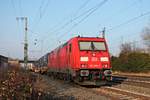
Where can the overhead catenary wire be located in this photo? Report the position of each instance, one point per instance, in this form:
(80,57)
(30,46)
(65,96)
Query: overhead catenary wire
(15,10)
(75,14)
(109,18)
(140,6)
(41,12)
(122,24)
(16,13)
(81,7)
(20,7)
(39,9)
(85,17)
(85,13)
(81,15)
(13,5)
(75,18)
(129,21)
(120,11)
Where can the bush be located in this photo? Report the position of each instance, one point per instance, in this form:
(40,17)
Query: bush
(131,62)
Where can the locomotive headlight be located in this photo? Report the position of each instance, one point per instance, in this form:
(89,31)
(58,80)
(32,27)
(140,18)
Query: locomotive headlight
(104,59)
(84,59)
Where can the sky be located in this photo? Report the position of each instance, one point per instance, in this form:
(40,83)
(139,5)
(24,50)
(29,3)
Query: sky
(53,22)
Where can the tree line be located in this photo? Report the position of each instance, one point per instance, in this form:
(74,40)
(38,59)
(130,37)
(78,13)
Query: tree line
(132,58)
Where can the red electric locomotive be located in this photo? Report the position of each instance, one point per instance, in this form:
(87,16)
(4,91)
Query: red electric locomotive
(85,60)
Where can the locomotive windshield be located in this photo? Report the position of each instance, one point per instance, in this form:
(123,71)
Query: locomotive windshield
(90,45)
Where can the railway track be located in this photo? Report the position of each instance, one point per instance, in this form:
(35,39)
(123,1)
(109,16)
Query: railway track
(118,94)
(133,77)
(121,94)
(140,81)
(115,92)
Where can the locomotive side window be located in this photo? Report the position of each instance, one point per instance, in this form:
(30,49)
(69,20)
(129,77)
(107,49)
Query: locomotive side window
(70,47)
(87,45)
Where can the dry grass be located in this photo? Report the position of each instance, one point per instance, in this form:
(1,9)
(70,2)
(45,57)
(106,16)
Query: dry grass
(15,83)
(19,84)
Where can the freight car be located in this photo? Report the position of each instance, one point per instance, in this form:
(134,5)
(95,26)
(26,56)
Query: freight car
(3,61)
(41,65)
(85,60)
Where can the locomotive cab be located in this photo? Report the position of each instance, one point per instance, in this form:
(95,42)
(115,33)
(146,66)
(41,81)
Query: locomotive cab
(93,60)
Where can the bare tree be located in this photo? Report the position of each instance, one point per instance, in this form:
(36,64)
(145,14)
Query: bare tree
(126,48)
(146,37)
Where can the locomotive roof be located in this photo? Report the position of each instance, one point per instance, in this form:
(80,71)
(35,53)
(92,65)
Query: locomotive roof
(88,37)
(78,37)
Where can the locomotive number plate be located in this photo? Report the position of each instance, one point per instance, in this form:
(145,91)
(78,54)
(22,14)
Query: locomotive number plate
(94,59)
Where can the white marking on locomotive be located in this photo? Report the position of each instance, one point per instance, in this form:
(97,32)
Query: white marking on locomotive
(104,59)
(84,59)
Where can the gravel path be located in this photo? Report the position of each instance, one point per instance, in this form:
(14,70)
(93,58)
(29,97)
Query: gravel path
(71,91)
(65,89)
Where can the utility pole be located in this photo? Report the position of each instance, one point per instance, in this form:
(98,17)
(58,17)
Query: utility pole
(103,32)
(25,40)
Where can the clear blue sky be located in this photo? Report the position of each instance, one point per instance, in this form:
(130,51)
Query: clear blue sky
(46,19)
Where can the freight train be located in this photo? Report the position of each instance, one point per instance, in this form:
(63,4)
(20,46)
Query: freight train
(84,60)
